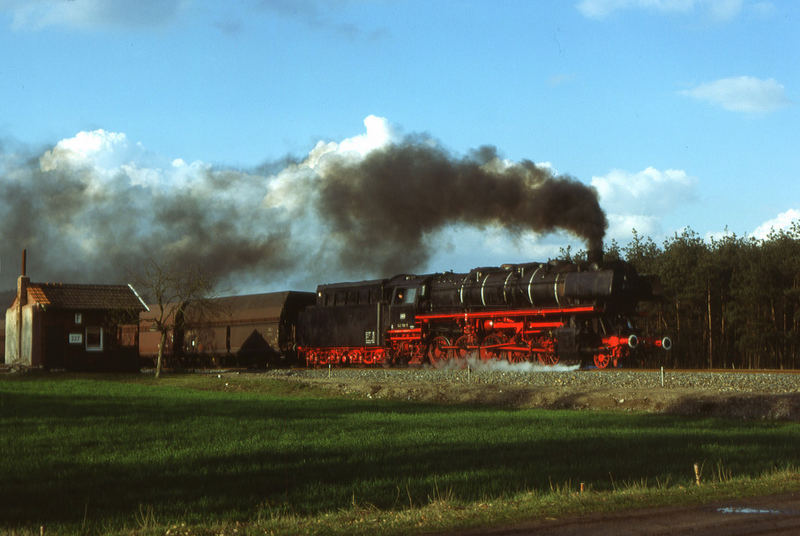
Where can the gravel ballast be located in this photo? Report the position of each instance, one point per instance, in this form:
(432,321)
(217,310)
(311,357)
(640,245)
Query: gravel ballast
(746,394)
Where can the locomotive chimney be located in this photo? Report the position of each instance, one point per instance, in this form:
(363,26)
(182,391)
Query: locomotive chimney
(595,255)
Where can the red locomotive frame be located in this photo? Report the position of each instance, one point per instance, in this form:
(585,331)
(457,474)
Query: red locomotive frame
(523,335)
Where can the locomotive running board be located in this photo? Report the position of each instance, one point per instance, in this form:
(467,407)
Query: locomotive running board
(502,314)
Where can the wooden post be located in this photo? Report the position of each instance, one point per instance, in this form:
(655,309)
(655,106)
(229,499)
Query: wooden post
(697,474)
(710,331)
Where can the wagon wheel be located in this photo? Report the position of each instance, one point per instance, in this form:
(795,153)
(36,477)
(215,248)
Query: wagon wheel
(369,358)
(399,354)
(390,356)
(438,352)
(489,348)
(461,350)
(601,360)
(355,357)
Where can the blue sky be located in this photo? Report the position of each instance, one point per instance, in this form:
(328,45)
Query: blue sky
(679,112)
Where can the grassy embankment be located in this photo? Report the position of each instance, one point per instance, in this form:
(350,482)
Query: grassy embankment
(200,454)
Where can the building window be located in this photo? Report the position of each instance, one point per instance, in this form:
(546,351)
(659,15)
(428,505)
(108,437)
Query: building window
(78,318)
(94,338)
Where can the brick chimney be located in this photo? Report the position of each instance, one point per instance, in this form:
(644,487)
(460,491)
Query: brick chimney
(23,281)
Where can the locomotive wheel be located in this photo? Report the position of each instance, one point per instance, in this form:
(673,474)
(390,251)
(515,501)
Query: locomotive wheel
(489,347)
(602,360)
(549,358)
(547,355)
(517,357)
(461,350)
(438,352)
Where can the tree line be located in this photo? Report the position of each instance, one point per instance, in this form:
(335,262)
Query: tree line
(731,302)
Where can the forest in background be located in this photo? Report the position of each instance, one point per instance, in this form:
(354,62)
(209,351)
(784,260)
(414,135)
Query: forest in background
(731,302)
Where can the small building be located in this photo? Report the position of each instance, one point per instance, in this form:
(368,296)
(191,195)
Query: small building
(73,326)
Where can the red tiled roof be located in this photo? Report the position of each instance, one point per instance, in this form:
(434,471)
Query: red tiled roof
(87,297)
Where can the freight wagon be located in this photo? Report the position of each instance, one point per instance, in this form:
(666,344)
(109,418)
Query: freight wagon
(256,330)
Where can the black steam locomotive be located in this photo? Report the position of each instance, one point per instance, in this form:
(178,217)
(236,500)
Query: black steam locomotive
(535,312)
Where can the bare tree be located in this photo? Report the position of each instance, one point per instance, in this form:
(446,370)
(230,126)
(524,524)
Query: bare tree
(170,288)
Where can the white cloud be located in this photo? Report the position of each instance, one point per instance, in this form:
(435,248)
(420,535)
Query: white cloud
(717,9)
(86,148)
(724,9)
(783,220)
(283,188)
(106,154)
(640,200)
(379,133)
(460,247)
(37,14)
(620,226)
(742,94)
(109,156)
(648,191)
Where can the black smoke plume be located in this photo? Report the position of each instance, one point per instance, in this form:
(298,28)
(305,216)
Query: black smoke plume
(383,207)
(80,227)
(360,217)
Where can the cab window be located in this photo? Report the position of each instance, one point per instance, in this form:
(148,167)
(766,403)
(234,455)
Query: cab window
(405,295)
(411,295)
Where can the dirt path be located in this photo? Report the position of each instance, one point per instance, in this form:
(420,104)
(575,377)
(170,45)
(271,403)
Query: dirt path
(772,515)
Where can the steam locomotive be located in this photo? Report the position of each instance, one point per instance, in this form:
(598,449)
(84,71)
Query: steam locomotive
(533,312)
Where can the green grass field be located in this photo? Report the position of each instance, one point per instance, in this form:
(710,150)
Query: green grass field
(98,454)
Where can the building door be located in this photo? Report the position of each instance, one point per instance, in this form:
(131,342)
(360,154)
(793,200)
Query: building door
(54,347)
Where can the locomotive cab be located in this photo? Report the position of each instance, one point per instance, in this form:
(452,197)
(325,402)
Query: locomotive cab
(407,295)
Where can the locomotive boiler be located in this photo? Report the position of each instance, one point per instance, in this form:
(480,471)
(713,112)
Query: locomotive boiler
(533,312)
